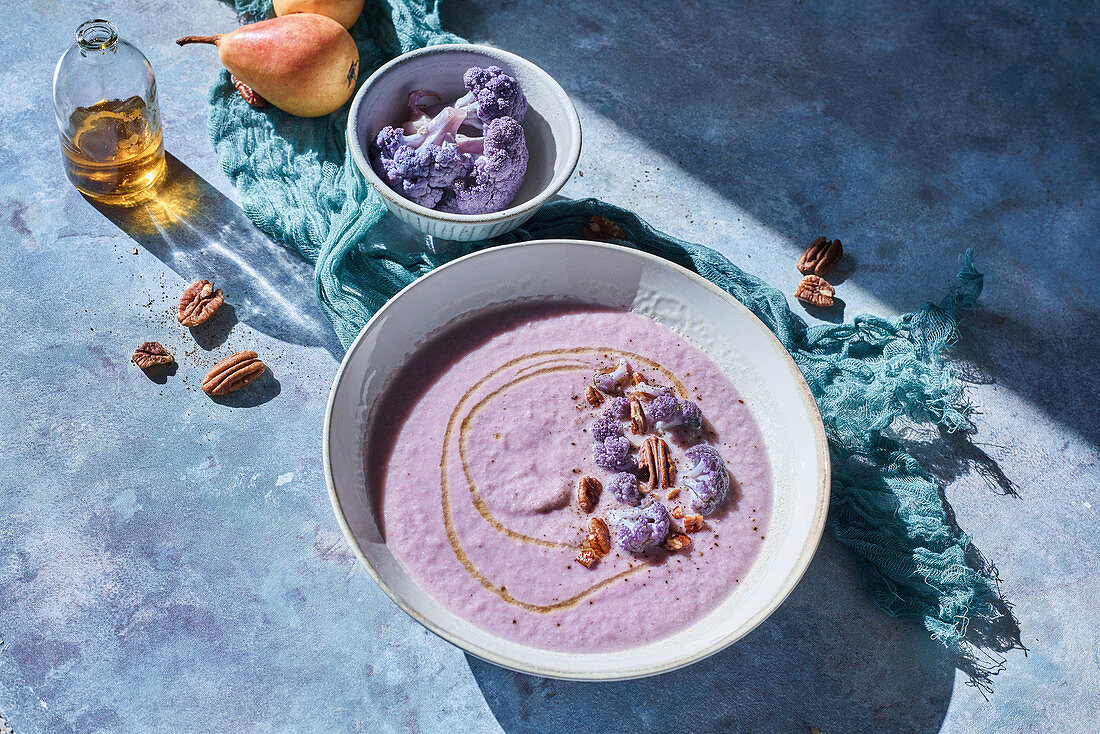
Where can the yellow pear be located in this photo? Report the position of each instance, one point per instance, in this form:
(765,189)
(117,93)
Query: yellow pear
(305,64)
(344,12)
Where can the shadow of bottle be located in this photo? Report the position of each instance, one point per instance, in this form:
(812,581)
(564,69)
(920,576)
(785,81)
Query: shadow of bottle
(826,659)
(200,233)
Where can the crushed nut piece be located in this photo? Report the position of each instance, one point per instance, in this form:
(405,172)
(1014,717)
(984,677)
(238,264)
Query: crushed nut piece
(637,417)
(248,94)
(593,396)
(673,494)
(198,303)
(602,228)
(677,512)
(150,354)
(232,373)
(677,541)
(820,257)
(693,523)
(816,291)
(587,558)
(588,493)
(655,461)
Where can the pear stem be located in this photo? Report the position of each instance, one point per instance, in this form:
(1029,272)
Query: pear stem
(199,39)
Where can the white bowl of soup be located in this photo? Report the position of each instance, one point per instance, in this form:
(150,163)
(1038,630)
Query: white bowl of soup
(497,412)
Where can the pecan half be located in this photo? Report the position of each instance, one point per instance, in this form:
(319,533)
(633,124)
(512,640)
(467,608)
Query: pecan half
(655,460)
(820,257)
(593,396)
(638,424)
(602,228)
(599,536)
(232,373)
(588,493)
(597,543)
(816,291)
(677,512)
(677,541)
(198,303)
(248,94)
(693,523)
(150,354)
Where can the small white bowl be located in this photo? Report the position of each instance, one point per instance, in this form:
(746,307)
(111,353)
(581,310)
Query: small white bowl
(607,275)
(551,126)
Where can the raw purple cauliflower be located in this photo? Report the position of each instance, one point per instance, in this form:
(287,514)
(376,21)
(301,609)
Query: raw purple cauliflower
(668,412)
(618,407)
(624,486)
(611,382)
(605,427)
(707,480)
(425,165)
(498,165)
(642,528)
(491,94)
(427,159)
(613,454)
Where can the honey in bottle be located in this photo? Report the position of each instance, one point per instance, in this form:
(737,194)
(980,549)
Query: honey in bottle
(105,102)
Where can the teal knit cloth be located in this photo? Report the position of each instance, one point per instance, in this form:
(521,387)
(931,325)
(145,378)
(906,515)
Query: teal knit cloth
(299,185)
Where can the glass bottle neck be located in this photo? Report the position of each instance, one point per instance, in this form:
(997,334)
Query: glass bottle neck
(96,36)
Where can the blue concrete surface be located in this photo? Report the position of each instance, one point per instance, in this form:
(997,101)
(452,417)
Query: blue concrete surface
(168,562)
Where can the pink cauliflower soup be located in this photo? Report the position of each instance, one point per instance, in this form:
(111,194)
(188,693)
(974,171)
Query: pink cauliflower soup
(476,450)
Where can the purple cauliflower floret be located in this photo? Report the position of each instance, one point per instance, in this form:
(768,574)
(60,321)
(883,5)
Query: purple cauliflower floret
(618,408)
(499,163)
(423,166)
(668,411)
(611,382)
(613,454)
(624,486)
(707,480)
(606,427)
(491,94)
(642,528)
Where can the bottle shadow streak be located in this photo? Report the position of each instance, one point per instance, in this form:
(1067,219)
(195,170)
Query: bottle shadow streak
(200,233)
(825,659)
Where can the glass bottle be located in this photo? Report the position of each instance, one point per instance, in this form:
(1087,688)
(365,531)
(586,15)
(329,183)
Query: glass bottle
(105,102)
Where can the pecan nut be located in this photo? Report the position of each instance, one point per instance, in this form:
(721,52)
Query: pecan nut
(638,424)
(150,354)
(248,94)
(677,541)
(198,303)
(588,493)
(693,523)
(820,257)
(232,373)
(677,512)
(602,228)
(593,396)
(816,291)
(654,459)
(599,536)
(597,543)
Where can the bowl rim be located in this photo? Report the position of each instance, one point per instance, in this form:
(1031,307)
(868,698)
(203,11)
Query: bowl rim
(793,576)
(365,167)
